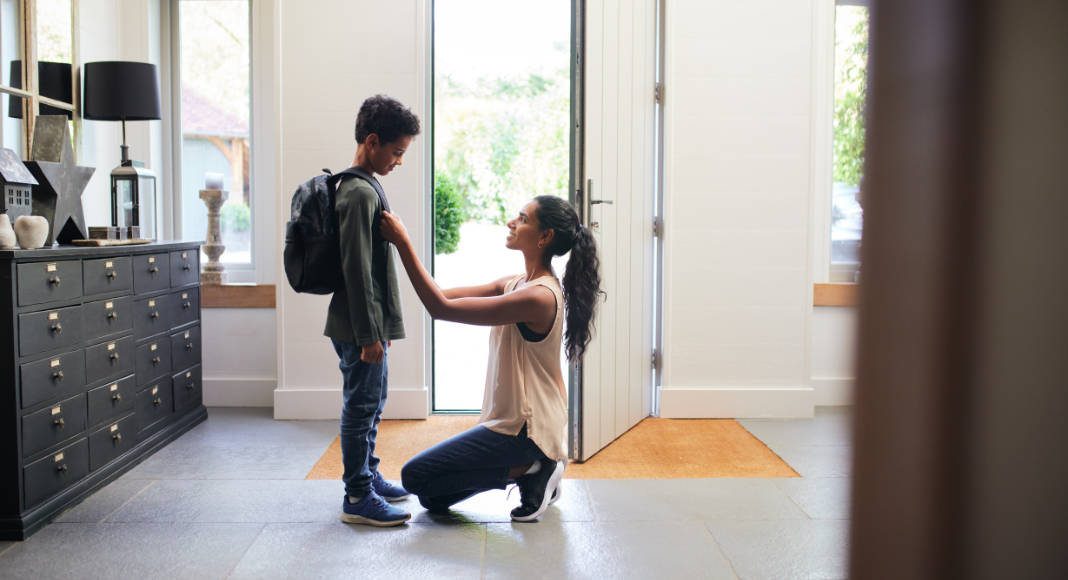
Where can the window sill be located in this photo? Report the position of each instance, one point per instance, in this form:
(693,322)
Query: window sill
(237,296)
(834,295)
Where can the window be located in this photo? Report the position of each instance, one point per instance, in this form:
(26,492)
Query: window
(45,86)
(215,55)
(850,92)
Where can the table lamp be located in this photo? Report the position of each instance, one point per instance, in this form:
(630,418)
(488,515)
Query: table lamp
(125,91)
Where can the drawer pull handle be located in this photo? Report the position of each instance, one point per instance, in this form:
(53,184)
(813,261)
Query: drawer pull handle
(112,275)
(189,346)
(58,375)
(59,423)
(185,267)
(157,402)
(54,281)
(155,361)
(155,315)
(186,305)
(62,468)
(117,398)
(114,356)
(154,270)
(57,327)
(192,386)
(117,437)
(113,316)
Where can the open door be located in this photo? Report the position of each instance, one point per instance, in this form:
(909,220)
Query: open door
(616,196)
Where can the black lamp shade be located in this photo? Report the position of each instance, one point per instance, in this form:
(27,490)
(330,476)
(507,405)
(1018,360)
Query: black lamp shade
(118,90)
(54,79)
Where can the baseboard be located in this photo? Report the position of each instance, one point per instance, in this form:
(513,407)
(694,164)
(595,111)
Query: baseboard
(834,392)
(239,392)
(291,404)
(737,403)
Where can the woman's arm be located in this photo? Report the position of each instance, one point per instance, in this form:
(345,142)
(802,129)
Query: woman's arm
(536,304)
(495,288)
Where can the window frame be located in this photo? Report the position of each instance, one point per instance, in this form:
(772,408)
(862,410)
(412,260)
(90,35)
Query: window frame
(31,97)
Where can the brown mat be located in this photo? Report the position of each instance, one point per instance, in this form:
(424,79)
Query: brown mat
(653,449)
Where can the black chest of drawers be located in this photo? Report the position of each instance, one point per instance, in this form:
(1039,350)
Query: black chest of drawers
(100,359)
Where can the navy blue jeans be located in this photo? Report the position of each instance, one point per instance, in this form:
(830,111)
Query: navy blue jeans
(474,461)
(364,394)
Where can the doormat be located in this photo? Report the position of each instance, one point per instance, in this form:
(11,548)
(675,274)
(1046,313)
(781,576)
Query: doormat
(652,449)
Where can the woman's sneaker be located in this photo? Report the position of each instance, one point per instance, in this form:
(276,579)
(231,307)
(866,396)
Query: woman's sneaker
(536,490)
(373,511)
(387,490)
(559,489)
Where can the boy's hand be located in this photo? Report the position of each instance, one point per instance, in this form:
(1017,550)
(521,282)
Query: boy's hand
(392,229)
(372,353)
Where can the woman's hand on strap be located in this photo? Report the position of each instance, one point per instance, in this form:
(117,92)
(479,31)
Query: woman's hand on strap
(392,229)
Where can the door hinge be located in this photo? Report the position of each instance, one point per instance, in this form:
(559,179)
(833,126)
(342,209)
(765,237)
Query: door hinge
(656,231)
(658,92)
(656,359)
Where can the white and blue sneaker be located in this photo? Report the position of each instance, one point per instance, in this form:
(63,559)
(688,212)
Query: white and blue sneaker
(372,510)
(387,490)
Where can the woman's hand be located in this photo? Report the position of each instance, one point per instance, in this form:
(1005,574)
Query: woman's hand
(392,229)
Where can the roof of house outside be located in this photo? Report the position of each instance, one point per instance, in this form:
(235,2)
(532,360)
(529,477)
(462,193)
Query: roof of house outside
(202,117)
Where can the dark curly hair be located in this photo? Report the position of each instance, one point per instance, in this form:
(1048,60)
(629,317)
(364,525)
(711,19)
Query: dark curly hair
(386,117)
(582,279)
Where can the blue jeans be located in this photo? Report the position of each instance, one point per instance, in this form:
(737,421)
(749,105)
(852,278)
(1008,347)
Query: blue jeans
(472,462)
(364,394)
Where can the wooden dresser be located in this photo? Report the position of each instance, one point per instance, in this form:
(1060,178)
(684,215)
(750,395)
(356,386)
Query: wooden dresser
(99,367)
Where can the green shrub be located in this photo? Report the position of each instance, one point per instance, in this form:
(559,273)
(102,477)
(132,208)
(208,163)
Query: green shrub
(449,214)
(235,217)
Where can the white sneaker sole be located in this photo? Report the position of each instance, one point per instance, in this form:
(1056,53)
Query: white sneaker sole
(550,488)
(559,489)
(396,499)
(351,519)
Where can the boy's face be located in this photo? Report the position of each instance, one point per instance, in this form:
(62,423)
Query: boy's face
(385,156)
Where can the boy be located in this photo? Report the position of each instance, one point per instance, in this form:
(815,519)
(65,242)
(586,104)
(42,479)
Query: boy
(364,315)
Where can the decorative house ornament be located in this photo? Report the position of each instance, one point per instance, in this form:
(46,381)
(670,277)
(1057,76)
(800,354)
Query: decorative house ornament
(15,184)
(58,195)
(31,231)
(214,272)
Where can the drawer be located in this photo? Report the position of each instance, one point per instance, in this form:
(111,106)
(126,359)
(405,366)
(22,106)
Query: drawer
(109,442)
(188,388)
(151,316)
(185,348)
(185,267)
(151,272)
(107,275)
(51,329)
(42,282)
(107,317)
(153,360)
(53,425)
(185,307)
(111,400)
(50,475)
(110,359)
(52,377)
(154,403)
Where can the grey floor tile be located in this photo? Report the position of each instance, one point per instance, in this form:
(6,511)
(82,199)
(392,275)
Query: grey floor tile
(105,502)
(129,551)
(690,499)
(420,551)
(494,506)
(597,550)
(820,498)
(251,425)
(839,412)
(5,546)
(267,459)
(817,461)
(800,432)
(786,550)
(235,502)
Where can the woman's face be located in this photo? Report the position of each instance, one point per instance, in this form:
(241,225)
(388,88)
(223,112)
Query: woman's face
(523,231)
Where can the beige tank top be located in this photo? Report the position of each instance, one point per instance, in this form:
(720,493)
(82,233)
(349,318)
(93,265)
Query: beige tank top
(524,383)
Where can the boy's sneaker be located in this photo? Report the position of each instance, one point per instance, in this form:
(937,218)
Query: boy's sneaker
(373,511)
(387,490)
(536,490)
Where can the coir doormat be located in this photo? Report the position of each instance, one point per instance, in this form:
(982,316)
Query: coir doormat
(652,449)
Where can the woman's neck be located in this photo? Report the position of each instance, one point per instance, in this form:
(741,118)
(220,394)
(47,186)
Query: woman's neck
(536,268)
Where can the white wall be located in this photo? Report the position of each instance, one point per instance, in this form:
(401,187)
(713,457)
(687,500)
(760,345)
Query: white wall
(834,345)
(239,356)
(325,73)
(738,275)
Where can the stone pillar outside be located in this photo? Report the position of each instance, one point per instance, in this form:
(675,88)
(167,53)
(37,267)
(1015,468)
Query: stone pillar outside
(214,272)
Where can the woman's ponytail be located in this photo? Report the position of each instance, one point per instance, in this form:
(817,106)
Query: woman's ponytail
(582,279)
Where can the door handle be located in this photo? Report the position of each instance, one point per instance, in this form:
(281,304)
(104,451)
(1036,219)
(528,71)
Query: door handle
(597,201)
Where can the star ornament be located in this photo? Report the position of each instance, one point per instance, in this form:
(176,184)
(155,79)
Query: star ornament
(58,195)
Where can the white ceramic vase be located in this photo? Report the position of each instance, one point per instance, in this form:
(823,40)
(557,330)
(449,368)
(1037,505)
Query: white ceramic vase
(31,231)
(7,234)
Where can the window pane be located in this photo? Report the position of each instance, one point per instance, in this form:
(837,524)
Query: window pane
(55,53)
(850,91)
(10,53)
(215,119)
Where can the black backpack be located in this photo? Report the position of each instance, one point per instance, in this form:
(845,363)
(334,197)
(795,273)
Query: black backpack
(312,255)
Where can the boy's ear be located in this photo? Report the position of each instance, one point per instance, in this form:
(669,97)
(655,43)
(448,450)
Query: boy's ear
(371,141)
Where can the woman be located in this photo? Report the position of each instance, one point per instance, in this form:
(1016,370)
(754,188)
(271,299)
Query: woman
(523,426)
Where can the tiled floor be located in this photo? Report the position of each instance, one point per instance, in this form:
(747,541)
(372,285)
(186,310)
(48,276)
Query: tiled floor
(229,500)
